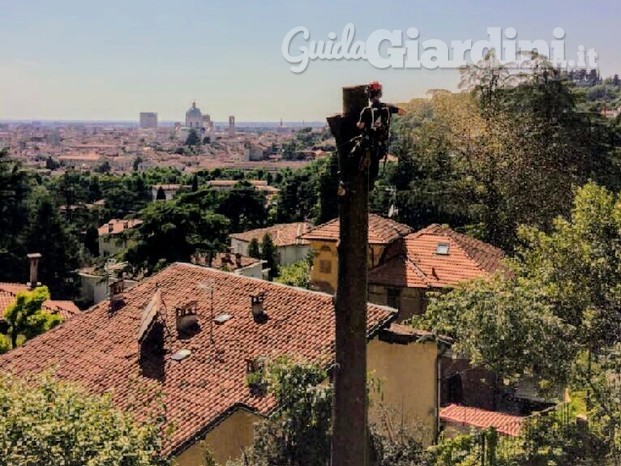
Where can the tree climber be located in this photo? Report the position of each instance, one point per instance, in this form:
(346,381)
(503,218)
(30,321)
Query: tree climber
(375,122)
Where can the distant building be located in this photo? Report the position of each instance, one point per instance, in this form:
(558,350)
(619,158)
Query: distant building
(232,125)
(87,160)
(95,284)
(324,241)
(431,259)
(260,185)
(611,112)
(169,191)
(235,263)
(289,247)
(112,238)
(194,117)
(148,120)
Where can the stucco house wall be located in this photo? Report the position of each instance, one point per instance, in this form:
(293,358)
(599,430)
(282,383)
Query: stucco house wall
(252,271)
(286,254)
(407,380)
(324,273)
(409,301)
(226,441)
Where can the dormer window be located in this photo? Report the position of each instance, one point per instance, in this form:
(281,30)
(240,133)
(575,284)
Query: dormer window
(442,249)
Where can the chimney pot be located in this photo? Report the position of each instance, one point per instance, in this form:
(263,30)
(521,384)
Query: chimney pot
(256,302)
(116,293)
(186,316)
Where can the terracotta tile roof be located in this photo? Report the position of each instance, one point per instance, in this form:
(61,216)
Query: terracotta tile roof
(226,261)
(99,348)
(65,308)
(82,157)
(8,293)
(117,226)
(506,424)
(283,234)
(413,261)
(382,230)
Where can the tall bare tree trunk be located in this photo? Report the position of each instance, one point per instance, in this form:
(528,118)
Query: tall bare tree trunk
(349,431)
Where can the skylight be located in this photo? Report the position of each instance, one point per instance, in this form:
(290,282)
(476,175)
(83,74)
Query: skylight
(181,355)
(220,319)
(442,249)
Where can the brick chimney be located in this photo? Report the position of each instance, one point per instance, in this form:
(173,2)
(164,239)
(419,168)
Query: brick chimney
(110,227)
(34,269)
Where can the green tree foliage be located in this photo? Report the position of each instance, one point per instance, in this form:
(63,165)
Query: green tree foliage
(557,316)
(254,250)
(173,231)
(52,423)
(244,206)
(296,274)
(578,266)
(508,327)
(15,186)
(328,207)
(161,195)
(136,163)
(103,167)
(553,438)
(48,234)
(308,193)
(564,291)
(26,317)
(298,433)
(604,390)
(508,152)
(51,164)
(305,139)
(193,139)
(269,254)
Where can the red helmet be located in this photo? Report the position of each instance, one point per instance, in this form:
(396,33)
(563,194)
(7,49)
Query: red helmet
(374,88)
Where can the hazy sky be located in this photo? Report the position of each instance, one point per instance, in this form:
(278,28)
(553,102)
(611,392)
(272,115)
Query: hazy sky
(102,60)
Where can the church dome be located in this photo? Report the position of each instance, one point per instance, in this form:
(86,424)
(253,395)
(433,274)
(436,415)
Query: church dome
(193,111)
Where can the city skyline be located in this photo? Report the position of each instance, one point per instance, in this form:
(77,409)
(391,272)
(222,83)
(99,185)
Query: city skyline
(74,61)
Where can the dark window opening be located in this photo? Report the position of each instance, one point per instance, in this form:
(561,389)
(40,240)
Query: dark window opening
(455,389)
(393,297)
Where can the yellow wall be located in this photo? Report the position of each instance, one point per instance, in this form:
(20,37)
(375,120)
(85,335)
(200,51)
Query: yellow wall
(324,251)
(327,251)
(226,441)
(407,378)
(410,302)
(406,375)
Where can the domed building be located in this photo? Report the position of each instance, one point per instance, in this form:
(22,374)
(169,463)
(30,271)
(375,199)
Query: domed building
(194,117)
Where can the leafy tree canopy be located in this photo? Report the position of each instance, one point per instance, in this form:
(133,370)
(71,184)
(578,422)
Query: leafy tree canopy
(53,423)
(25,317)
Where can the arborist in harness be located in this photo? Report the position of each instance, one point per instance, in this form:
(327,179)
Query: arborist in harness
(375,122)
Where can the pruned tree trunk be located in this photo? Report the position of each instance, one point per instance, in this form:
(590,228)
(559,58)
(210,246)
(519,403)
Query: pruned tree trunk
(349,431)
